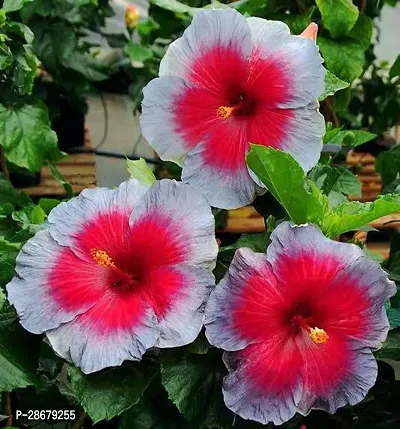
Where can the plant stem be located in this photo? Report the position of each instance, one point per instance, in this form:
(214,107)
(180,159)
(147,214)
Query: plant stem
(8,408)
(3,164)
(329,105)
(363,5)
(81,420)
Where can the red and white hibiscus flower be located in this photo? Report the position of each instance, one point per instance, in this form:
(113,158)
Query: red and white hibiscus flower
(227,82)
(298,324)
(116,272)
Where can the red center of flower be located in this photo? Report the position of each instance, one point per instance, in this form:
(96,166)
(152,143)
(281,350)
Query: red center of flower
(240,105)
(123,279)
(302,320)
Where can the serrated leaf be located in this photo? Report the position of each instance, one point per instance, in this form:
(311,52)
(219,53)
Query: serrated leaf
(332,85)
(351,215)
(140,171)
(347,138)
(193,383)
(27,137)
(107,394)
(343,57)
(338,16)
(285,179)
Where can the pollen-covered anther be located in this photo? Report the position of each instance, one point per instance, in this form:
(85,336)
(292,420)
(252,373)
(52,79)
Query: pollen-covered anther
(319,336)
(224,112)
(101,257)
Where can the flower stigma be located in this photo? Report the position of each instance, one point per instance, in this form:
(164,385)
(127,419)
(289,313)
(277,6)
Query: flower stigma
(224,112)
(319,336)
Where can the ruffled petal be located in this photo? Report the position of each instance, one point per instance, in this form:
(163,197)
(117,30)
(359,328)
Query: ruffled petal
(164,117)
(100,214)
(223,188)
(214,30)
(52,285)
(119,327)
(247,298)
(181,323)
(264,383)
(296,57)
(333,379)
(185,217)
(355,302)
(298,132)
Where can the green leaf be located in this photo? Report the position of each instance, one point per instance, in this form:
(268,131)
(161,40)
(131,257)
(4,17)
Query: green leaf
(26,136)
(137,52)
(394,317)
(48,204)
(175,6)
(107,394)
(343,57)
(140,171)
(13,5)
(336,182)
(362,31)
(25,66)
(391,347)
(256,242)
(8,194)
(395,69)
(338,16)
(8,254)
(18,354)
(387,164)
(61,179)
(332,85)
(286,181)
(351,215)
(347,138)
(193,383)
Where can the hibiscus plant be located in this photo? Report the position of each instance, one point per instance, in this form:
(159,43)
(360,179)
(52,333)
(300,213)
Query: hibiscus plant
(120,308)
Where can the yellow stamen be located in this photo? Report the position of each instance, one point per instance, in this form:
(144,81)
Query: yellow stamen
(224,112)
(102,258)
(319,336)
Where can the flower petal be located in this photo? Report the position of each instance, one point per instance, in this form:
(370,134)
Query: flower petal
(52,286)
(185,216)
(297,57)
(211,30)
(347,383)
(160,117)
(97,210)
(223,188)
(264,383)
(119,327)
(359,293)
(298,132)
(244,300)
(183,320)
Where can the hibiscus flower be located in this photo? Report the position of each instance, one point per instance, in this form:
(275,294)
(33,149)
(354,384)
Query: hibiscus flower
(228,81)
(298,324)
(116,272)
